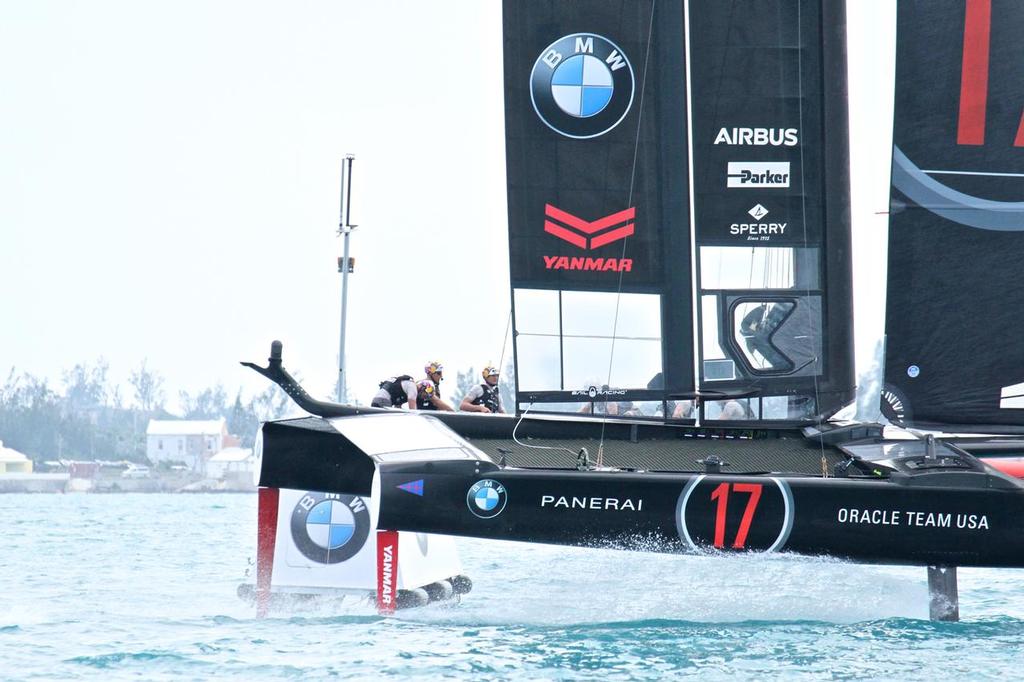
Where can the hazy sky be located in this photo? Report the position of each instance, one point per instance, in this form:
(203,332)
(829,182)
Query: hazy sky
(169,179)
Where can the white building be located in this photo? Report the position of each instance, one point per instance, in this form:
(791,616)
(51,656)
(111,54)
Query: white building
(191,443)
(231,461)
(13,462)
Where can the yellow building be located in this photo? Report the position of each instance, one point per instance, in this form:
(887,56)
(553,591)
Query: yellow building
(13,462)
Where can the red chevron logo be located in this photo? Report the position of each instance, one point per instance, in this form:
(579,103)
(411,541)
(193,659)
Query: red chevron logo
(592,234)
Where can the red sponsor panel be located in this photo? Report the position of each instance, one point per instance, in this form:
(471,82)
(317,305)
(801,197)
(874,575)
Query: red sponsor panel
(387,570)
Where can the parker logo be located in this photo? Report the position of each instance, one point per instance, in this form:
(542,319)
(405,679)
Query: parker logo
(750,174)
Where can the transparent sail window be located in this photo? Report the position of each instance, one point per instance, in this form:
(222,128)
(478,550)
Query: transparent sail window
(737,409)
(573,340)
(758,267)
(717,366)
(755,324)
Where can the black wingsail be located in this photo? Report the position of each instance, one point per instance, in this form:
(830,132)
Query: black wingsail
(771,202)
(596,162)
(600,103)
(955,304)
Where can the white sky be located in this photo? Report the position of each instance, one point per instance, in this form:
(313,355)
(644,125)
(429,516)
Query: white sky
(169,185)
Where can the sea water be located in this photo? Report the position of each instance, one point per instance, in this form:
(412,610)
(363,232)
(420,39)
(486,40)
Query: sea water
(143,586)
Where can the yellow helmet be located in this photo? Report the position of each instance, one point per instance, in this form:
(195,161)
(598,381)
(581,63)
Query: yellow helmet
(490,371)
(433,366)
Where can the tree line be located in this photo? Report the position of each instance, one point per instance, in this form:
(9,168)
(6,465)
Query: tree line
(87,417)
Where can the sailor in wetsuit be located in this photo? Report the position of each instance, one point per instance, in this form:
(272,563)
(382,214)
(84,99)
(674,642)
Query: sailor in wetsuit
(395,392)
(484,397)
(428,391)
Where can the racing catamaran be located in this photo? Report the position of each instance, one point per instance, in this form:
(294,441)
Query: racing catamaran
(679,215)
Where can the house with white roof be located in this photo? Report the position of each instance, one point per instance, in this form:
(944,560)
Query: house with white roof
(189,442)
(231,462)
(13,462)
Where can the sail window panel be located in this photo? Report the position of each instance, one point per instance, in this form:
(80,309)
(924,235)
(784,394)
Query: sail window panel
(755,325)
(538,363)
(737,409)
(589,313)
(715,365)
(633,362)
(732,267)
(788,407)
(536,311)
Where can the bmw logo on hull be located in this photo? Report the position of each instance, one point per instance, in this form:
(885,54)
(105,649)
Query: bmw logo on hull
(329,529)
(486,498)
(582,85)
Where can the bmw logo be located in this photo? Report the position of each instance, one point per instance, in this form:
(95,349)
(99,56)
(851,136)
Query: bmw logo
(329,529)
(582,85)
(486,498)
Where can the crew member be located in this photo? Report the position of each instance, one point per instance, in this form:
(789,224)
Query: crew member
(757,328)
(484,397)
(395,392)
(428,390)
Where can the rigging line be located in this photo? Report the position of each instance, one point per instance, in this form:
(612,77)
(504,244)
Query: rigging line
(632,182)
(536,447)
(816,368)
(504,342)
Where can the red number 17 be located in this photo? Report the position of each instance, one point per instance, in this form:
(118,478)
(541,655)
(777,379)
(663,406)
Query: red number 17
(721,495)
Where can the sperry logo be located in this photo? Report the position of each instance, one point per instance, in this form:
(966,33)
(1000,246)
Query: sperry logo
(746,174)
(757,212)
(585,234)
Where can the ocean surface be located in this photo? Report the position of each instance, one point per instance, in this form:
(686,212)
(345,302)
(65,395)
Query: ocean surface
(143,587)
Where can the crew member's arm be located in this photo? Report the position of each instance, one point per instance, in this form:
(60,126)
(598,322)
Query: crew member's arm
(440,404)
(467,403)
(409,386)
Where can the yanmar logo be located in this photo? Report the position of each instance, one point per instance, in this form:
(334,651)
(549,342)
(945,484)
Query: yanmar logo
(588,235)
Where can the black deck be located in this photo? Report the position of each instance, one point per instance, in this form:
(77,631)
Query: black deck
(744,455)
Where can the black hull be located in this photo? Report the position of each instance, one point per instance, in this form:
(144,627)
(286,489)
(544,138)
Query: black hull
(840,491)
(860,520)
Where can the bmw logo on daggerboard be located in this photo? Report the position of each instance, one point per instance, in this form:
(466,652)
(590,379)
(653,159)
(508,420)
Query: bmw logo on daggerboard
(582,85)
(329,528)
(486,498)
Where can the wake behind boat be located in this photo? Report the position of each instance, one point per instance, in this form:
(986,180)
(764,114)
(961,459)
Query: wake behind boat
(678,191)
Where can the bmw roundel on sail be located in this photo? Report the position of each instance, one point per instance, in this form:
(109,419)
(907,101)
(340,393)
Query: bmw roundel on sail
(582,85)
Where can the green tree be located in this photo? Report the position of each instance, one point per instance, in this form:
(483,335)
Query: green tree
(148,385)
(210,403)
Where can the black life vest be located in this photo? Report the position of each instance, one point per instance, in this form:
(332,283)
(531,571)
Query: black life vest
(393,385)
(489,398)
(423,399)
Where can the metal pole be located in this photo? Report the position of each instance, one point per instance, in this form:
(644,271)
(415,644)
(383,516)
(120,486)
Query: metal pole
(345,227)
